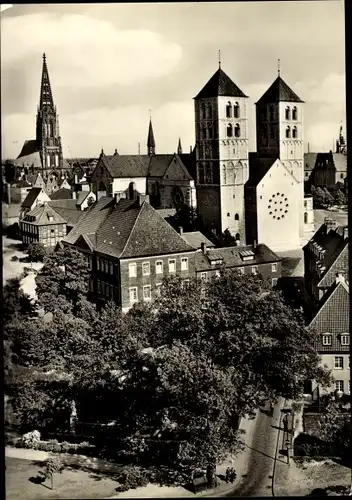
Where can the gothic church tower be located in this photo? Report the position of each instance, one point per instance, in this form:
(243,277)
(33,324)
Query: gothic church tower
(48,137)
(222,154)
(280,133)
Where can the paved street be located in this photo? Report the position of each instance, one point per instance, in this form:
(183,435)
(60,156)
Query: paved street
(262,447)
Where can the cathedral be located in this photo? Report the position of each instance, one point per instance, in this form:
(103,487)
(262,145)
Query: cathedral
(258,197)
(44,153)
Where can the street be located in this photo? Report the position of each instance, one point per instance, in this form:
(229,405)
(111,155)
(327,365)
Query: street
(263,446)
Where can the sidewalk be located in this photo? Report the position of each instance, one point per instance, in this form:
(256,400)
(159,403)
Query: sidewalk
(240,463)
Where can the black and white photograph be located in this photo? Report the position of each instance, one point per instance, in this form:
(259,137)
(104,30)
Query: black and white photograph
(176,310)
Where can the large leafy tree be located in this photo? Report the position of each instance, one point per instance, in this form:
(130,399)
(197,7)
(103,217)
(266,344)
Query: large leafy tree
(63,280)
(15,303)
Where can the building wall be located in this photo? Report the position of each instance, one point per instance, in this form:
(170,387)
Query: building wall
(48,235)
(308,214)
(277,190)
(338,373)
(152,279)
(121,185)
(209,206)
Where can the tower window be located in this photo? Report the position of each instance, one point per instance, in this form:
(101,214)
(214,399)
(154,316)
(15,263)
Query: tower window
(287,113)
(237,217)
(294,113)
(209,111)
(229,131)
(288,132)
(202,111)
(228,110)
(236,110)
(294,132)
(237,130)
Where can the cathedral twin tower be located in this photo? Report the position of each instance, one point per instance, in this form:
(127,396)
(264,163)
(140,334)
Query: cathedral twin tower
(226,171)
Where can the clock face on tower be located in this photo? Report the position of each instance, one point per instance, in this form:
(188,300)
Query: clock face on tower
(278,206)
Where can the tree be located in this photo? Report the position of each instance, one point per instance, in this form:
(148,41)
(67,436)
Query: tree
(36,252)
(185,217)
(335,428)
(319,197)
(63,280)
(225,239)
(328,198)
(340,198)
(52,466)
(15,303)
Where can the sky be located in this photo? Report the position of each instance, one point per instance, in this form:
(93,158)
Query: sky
(109,64)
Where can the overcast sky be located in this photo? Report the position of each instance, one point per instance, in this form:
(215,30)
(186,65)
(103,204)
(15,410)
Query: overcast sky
(110,63)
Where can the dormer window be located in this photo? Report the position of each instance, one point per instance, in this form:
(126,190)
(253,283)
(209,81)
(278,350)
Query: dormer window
(228,110)
(237,130)
(236,110)
(345,339)
(229,130)
(327,339)
(288,132)
(294,113)
(287,113)
(247,255)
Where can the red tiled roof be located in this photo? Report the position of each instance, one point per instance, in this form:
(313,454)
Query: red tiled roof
(279,91)
(220,85)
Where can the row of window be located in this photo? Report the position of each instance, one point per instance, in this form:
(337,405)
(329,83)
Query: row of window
(290,114)
(338,362)
(254,270)
(236,110)
(105,265)
(233,131)
(344,339)
(294,133)
(29,228)
(340,386)
(105,289)
(208,173)
(159,267)
(206,111)
(29,239)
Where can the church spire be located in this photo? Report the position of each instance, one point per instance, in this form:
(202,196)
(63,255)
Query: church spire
(179,147)
(151,141)
(46,96)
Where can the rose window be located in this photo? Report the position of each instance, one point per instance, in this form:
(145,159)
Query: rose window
(278,206)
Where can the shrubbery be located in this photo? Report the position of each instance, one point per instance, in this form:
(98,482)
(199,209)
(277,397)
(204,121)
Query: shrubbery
(132,477)
(32,441)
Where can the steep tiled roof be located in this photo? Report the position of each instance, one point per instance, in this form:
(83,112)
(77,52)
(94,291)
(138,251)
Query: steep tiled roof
(134,230)
(31,197)
(158,165)
(309,161)
(92,219)
(28,148)
(61,194)
(232,258)
(279,91)
(340,161)
(196,238)
(333,317)
(71,215)
(220,85)
(63,203)
(126,165)
(330,240)
(44,214)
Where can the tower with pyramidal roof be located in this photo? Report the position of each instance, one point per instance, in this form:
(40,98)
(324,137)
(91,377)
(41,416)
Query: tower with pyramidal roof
(222,154)
(48,136)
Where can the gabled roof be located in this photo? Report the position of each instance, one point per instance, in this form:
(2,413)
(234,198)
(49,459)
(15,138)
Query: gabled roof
(126,165)
(63,203)
(91,220)
(279,91)
(220,85)
(28,148)
(231,257)
(44,214)
(61,194)
(31,197)
(310,160)
(333,317)
(71,215)
(196,238)
(158,164)
(176,160)
(134,230)
(81,196)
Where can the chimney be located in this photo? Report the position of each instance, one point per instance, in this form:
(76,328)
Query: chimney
(330,224)
(180,230)
(345,233)
(203,247)
(74,195)
(340,278)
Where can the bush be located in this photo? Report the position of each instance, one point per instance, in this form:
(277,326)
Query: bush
(36,252)
(30,439)
(52,445)
(14,258)
(132,477)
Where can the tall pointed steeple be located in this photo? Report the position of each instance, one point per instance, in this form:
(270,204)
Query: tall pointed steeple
(151,140)
(46,96)
(179,147)
(48,136)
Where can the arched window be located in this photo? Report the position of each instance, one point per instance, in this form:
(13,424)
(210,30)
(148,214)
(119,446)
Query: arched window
(209,111)
(237,217)
(201,173)
(294,113)
(132,190)
(238,236)
(287,113)
(294,132)
(237,130)
(305,217)
(229,130)
(236,110)
(228,110)
(202,111)
(288,132)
